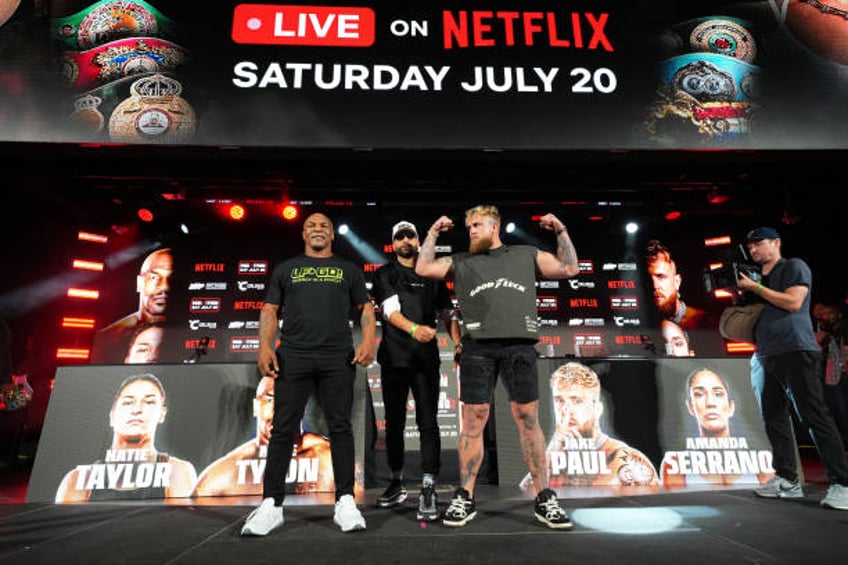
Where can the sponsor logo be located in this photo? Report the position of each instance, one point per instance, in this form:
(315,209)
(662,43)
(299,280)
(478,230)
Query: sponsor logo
(204,305)
(207,286)
(583,302)
(252,267)
(549,339)
(244,286)
(247,305)
(578,284)
(548,323)
(548,284)
(621,284)
(590,322)
(621,321)
(200,325)
(243,325)
(193,344)
(209,267)
(585,266)
(619,266)
(628,340)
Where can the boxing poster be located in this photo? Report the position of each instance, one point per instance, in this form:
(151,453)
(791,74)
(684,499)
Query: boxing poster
(174,432)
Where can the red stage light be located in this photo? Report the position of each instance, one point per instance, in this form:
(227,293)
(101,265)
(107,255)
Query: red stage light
(290,212)
(94,237)
(237,212)
(673,215)
(88,265)
(145,215)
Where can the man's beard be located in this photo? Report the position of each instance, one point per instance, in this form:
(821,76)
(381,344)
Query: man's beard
(667,307)
(405,251)
(481,245)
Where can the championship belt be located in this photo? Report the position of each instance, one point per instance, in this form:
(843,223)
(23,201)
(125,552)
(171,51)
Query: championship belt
(86,116)
(721,35)
(154,113)
(121,58)
(707,95)
(108,20)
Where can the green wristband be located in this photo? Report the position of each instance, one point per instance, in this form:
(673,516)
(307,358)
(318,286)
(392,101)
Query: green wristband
(412,330)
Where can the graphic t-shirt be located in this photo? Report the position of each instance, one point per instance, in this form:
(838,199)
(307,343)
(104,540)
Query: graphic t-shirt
(317,296)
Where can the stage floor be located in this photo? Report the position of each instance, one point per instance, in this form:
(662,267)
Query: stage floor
(707,526)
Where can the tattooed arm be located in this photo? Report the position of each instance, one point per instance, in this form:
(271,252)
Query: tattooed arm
(563,265)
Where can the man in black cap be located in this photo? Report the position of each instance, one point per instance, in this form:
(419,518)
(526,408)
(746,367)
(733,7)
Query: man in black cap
(791,359)
(409,360)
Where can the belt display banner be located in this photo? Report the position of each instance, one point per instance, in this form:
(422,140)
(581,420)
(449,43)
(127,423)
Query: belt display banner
(538,74)
(174,432)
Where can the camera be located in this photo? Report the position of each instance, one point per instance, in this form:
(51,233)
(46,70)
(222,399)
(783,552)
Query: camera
(726,276)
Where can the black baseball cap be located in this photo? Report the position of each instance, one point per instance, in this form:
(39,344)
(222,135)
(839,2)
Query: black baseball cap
(759,234)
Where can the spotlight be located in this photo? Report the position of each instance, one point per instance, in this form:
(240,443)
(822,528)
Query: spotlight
(145,215)
(237,212)
(290,212)
(184,228)
(510,227)
(631,227)
(343,229)
(673,215)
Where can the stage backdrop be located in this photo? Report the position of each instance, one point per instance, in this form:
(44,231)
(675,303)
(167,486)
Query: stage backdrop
(209,419)
(538,74)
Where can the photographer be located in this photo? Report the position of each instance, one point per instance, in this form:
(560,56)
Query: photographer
(791,360)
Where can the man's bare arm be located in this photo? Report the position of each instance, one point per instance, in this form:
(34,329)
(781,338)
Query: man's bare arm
(564,264)
(427,265)
(266,359)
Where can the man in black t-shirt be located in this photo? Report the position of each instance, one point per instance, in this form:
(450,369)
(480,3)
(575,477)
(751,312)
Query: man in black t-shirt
(495,287)
(409,360)
(315,292)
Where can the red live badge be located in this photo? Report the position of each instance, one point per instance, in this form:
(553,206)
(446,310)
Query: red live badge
(331,26)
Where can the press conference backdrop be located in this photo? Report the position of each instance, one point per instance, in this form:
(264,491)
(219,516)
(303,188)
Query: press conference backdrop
(534,74)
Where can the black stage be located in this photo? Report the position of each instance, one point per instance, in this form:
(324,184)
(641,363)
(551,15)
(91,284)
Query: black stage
(707,526)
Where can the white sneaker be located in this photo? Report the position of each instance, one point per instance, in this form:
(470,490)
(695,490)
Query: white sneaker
(837,497)
(263,519)
(347,515)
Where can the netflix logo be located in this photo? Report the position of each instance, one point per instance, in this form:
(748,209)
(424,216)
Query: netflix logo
(194,344)
(318,26)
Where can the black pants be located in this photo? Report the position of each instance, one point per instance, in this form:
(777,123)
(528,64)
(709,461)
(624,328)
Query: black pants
(796,375)
(333,376)
(424,384)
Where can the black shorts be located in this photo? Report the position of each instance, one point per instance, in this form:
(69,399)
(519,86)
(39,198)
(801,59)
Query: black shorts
(483,361)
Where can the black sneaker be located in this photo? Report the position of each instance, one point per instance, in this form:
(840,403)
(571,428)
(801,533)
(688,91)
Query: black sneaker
(394,494)
(428,506)
(460,511)
(549,512)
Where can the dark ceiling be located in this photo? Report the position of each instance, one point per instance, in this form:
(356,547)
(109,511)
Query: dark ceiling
(81,175)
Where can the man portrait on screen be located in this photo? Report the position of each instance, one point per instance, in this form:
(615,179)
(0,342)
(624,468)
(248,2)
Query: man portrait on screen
(241,471)
(132,467)
(153,285)
(580,453)
(715,456)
